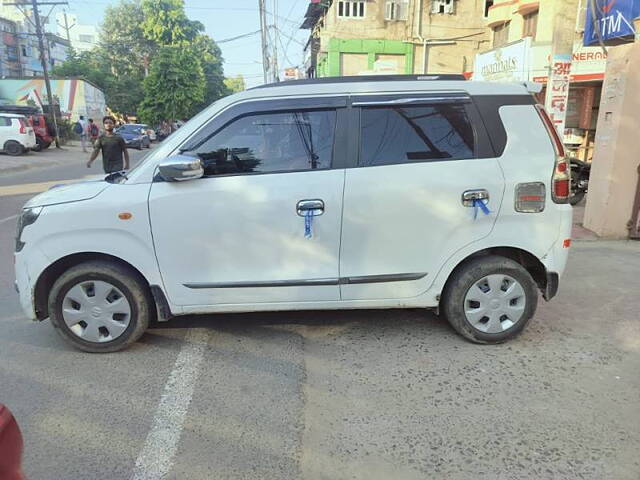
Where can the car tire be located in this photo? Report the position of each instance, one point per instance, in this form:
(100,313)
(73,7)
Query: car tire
(493,285)
(13,148)
(38,146)
(46,145)
(89,322)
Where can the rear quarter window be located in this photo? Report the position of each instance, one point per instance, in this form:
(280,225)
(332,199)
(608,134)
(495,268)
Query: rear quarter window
(409,134)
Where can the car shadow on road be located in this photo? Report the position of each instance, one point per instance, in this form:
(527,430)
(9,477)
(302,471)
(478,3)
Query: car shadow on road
(256,324)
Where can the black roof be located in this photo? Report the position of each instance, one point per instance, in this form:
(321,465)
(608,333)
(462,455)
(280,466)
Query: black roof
(365,78)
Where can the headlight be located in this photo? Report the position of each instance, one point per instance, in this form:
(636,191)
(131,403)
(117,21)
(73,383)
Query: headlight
(29,216)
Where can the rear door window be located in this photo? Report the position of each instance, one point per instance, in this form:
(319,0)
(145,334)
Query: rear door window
(408,134)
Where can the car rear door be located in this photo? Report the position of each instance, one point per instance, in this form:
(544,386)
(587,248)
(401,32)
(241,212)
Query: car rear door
(239,235)
(405,213)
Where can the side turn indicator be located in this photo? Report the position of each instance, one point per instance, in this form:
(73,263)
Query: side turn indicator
(124,216)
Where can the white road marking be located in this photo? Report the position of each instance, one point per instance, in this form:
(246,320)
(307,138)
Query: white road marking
(157,455)
(8,218)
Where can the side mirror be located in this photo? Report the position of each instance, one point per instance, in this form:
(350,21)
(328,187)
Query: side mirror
(179,168)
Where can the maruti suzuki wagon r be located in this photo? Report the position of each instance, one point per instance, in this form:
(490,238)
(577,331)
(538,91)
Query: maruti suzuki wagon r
(337,193)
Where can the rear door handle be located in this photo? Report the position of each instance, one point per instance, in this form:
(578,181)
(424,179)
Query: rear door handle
(470,196)
(316,207)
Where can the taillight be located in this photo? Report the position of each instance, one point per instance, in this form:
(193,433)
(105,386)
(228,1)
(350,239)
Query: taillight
(23,126)
(561,179)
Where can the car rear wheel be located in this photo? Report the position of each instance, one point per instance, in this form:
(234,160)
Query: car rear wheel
(100,307)
(13,148)
(38,146)
(490,299)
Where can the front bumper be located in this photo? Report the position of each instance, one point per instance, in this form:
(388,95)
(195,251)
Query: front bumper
(29,264)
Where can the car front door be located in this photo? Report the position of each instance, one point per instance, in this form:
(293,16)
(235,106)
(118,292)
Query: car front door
(403,205)
(241,235)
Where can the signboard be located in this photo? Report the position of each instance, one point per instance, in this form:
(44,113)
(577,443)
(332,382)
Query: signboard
(612,21)
(510,63)
(587,63)
(558,94)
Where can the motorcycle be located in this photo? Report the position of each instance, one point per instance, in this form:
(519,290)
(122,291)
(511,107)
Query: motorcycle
(580,172)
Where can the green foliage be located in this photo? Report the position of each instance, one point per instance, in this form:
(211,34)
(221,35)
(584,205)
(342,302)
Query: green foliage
(175,86)
(123,44)
(234,84)
(123,94)
(166,23)
(134,37)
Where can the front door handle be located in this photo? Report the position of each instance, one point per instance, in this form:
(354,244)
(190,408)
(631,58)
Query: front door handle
(316,207)
(471,196)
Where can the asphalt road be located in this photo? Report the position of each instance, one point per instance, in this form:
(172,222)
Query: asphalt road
(336,395)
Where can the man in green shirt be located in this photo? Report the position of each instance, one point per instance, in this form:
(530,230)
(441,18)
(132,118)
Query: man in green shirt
(112,147)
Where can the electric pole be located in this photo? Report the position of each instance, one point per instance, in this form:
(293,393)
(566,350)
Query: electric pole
(43,56)
(263,35)
(45,69)
(275,73)
(66,27)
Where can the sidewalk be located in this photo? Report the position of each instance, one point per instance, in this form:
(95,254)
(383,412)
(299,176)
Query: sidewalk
(578,232)
(69,154)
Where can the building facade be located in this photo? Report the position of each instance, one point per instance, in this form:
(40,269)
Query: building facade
(350,37)
(521,34)
(19,49)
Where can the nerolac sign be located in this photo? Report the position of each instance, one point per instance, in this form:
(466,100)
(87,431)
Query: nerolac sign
(611,21)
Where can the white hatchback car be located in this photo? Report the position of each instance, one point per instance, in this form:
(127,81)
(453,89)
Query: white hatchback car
(361,192)
(16,135)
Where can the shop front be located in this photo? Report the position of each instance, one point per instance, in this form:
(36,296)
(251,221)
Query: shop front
(588,65)
(526,61)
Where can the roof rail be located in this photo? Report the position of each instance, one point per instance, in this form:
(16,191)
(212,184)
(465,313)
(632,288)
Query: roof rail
(364,78)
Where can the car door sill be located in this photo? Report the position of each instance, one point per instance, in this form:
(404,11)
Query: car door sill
(394,277)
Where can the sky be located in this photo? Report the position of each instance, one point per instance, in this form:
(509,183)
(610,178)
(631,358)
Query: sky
(225,19)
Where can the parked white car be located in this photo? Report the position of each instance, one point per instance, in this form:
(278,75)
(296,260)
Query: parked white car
(360,192)
(16,135)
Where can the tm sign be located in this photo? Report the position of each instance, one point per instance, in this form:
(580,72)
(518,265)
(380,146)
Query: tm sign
(611,21)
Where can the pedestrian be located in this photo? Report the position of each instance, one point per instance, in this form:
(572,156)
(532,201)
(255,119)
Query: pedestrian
(80,129)
(94,132)
(112,147)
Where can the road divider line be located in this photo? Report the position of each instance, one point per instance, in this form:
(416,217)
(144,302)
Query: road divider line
(8,218)
(157,455)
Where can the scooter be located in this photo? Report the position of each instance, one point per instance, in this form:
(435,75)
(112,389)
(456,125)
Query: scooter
(580,172)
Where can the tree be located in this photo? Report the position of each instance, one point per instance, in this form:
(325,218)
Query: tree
(166,23)
(234,84)
(122,41)
(121,94)
(211,60)
(174,87)
(135,33)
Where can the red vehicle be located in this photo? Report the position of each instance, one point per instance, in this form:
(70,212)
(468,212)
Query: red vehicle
(10,446)
(37,120)
(40,128)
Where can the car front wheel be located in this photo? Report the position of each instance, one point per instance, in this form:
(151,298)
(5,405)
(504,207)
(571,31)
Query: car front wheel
(99,306)
(490,299)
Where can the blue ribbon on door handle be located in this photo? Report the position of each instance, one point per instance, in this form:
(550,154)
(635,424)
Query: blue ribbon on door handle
(479,204)
(308,220)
